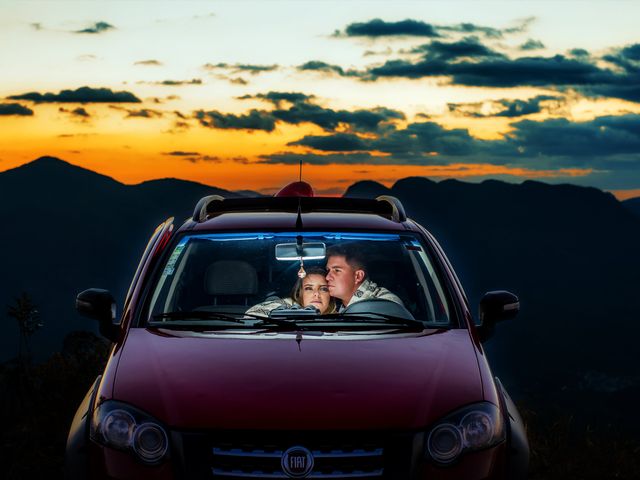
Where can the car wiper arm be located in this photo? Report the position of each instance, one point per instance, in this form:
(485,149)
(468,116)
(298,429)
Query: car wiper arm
(197,314)
(270,321)
(383,316)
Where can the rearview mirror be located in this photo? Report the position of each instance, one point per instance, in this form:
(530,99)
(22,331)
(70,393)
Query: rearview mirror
(304,251)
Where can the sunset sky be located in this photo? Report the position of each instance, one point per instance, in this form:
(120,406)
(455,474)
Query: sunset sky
(234,94)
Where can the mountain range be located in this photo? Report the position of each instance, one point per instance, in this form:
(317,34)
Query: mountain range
(569,252)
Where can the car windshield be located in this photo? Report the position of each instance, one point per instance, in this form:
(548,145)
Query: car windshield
(289,279)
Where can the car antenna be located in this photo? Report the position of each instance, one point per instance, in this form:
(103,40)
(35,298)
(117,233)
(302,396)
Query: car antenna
(299,244)
(299,219)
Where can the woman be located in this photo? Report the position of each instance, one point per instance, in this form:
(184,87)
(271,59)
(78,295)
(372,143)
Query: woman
(312,290)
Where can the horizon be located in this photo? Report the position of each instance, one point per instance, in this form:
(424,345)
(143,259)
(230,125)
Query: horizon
(221,187)
(507,91)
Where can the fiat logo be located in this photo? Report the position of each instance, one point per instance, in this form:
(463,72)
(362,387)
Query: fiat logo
(297,462)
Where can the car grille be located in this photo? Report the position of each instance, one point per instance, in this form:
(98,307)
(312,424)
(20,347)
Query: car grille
(257,455)
(330,461)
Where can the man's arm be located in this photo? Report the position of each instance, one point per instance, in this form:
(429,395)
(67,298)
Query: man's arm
(265,307)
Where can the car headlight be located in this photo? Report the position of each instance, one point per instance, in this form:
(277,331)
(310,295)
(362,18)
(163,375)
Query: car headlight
(123,427)
(471,428)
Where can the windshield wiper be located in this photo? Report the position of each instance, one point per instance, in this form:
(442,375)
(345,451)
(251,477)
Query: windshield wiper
(270,321)
(198,315)
(209,315)
(392,319)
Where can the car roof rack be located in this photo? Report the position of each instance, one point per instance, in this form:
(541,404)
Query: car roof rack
(384,205)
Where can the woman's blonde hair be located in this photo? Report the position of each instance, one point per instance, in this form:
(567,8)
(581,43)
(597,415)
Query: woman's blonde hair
(296,291)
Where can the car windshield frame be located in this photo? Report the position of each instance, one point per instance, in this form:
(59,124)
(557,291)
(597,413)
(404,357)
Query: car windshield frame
(142,317)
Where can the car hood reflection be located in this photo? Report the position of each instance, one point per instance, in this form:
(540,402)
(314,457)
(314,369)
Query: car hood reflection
(196,381)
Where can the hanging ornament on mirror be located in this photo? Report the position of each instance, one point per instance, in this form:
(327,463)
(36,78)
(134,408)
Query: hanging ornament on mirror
(301,272)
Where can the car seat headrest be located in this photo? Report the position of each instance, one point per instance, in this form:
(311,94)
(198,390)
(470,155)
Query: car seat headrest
(231,277)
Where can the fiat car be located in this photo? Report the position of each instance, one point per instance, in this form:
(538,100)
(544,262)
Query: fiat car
(220,370)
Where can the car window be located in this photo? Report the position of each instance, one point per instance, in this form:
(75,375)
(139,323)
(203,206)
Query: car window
(235,273)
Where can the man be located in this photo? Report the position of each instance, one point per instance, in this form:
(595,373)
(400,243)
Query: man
(347,277)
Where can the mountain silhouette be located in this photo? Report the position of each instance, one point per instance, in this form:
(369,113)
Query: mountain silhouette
(66,228)
(569,252)
(633,204)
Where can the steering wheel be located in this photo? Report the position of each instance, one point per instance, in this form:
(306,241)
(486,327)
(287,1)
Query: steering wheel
(378,305)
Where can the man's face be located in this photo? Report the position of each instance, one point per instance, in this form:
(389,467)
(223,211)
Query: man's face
(343,279)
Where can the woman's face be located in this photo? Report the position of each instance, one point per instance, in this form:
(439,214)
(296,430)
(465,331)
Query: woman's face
(315,291)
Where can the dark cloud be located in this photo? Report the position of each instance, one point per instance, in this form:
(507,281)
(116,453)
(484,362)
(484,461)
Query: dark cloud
(318,66)
(179,126)
(519,108)
(340,142)
(149,63)
(416,28)
(428,139)
(424,143)
(369,53)
(302,110)
(209,158)
(595,140)
(531,44)
(529,71)
(579,52)
(144,113)
(203,158)
(76,112)
(489,32)
(177,83)
(141,113)
(631,52)
(15,109)
(192,157)
(98,27)
(470,63)
(467,28)
(180,153)
(313,159)
(254,120)
(238,81)
(608,146)
(408,69)
(328,119)
(468,47)
(81,95)
(379,28)
(241,68)
(36,26)
(503,108)
(277,98)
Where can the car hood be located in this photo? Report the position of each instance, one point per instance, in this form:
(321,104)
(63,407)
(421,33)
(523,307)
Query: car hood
(253,381)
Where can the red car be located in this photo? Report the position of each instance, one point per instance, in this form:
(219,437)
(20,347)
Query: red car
(296,337)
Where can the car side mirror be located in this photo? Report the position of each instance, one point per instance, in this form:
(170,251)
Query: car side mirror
(495,307)
(100,305)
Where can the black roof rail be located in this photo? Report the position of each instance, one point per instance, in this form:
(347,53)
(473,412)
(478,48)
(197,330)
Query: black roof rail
(384,205)
(398,214)
(200,212)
